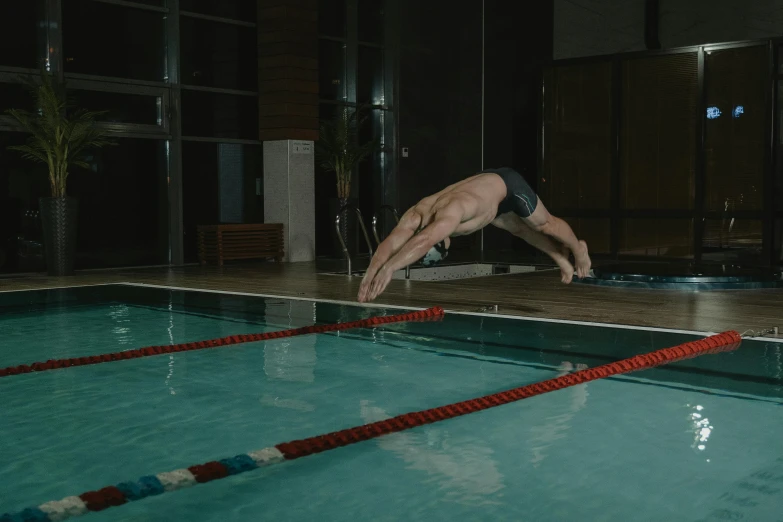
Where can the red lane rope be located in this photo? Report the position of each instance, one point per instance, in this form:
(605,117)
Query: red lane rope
(53,364)
(152,485)
(726,341)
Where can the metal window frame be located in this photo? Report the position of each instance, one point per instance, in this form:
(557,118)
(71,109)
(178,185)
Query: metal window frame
(233,141)
(218,19)
(218,90)
(698,214)
(169,90)
(134,5)
(128,82)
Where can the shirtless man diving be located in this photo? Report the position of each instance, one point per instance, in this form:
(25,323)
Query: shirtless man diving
(501,197)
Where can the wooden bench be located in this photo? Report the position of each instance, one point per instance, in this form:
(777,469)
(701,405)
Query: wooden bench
(220,243)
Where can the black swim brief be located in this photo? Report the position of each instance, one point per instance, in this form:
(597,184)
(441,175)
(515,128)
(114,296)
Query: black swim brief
(520,197)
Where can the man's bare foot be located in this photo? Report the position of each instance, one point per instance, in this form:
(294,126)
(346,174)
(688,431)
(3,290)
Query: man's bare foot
(566,268)
(582,259)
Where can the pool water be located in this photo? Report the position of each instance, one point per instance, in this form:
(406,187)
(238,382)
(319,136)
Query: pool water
(696,440)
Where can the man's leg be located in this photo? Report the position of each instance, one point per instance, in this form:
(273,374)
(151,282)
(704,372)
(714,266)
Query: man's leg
(544,222)
(558,252)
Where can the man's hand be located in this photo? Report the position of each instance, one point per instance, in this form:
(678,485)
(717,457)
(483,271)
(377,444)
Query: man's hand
(364,288)
(379,283)
(373,286)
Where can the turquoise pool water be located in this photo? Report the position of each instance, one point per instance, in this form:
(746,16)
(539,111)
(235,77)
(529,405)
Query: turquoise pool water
(698,440)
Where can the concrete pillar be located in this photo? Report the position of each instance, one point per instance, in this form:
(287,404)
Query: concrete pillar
(289,195)
(288,118)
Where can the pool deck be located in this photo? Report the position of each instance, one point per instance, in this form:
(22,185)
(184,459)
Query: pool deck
(537,295)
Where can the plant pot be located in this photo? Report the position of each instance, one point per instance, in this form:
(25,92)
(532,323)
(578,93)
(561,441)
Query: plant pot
(348,226)
(58,220)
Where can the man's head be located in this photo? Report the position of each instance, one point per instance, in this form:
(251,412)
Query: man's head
(437,253)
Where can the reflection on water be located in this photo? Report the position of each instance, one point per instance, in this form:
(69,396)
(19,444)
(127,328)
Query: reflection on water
(701,426)
(463,468)
(565,404)
(293,359)
(120,314)
(170,330)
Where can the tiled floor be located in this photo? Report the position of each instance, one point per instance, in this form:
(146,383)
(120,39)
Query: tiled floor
(537,294)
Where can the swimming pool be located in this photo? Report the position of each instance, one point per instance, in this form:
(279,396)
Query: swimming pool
(696,440)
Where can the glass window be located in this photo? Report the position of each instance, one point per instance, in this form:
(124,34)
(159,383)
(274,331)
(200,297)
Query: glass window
(15,96)
(372,171)
(19,23)
(657,237)
(736,83)
(331,18)
(208,114)
(331,70)
(659,132)
(217,54)
(244,10)
(371,21)
(123,205)
(156,3)
(732,240)
(131,46)
(220,184)
(370,87)
(373,127)
(22,182)
(596,232)
(778,175)
(577,163)
(121,107)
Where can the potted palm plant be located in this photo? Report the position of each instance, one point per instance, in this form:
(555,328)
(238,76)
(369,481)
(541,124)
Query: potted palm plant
(60,134)
(339,150)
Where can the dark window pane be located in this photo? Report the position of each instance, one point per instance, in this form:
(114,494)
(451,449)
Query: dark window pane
(331,70)
(657,237)
(326,242)
(370,86)
(131,46)
(577,161)
(732,240)
(244,10)
(15,96)
(22,182)
(121,107)
(373,172)
(596,232)
(659,132)
(327,111)
(778,176)
(780,59)
(371,21)
(123,205)
(736,88)
(373,125)
(220,184)
(19,33)
(215,54)
(331,18)
(156,3)
(209,114)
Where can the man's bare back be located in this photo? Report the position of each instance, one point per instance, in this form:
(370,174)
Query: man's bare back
(501,197)
(475,199)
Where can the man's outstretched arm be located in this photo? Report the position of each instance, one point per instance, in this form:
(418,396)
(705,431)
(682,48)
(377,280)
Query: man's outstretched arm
(444,224)
(401,233)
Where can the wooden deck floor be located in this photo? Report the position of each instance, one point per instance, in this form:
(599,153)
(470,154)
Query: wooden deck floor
(537,294)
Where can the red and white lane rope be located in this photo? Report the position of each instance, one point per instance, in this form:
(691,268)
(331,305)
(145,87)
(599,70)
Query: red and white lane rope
(151,485)
(53,364)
